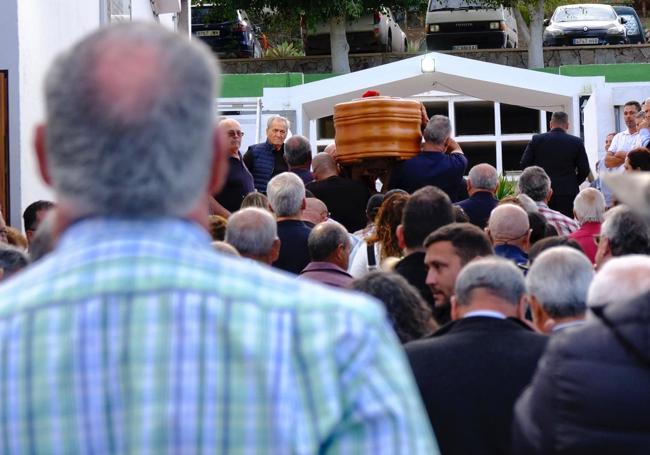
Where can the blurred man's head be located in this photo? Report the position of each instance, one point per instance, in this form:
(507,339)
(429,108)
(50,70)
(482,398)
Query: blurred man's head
(130,125)
(277,128)
(559,119)
(482,177)
(12,260)
(535,183)
(231,135)
(589,206)
(297,152)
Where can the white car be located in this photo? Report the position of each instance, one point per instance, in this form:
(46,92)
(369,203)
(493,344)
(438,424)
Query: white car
(378,32)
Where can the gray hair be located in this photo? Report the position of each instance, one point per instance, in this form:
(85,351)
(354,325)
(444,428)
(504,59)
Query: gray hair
(620,280)
(559,278)
(325,238)
(499,276)
(589,205)
(626,232)
(130,115)
(535,183)
(286,191)
(252,231)
(437,130)
(483,176)
(297,150)
(12,259)
(279,118)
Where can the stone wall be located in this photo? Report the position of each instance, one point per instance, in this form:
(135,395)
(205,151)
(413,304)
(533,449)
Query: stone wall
(553,57)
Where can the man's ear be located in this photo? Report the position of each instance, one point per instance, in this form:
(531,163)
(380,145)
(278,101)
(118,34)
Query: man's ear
(399,233)
(549,195)
(455,313)
(219,164)
(539,317)
(275,251)
(41,153)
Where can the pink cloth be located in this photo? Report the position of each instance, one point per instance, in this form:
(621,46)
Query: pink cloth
(585,237)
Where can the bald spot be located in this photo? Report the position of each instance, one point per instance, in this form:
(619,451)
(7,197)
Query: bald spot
(324,165)
(508,222)
(330,149)
(128,78)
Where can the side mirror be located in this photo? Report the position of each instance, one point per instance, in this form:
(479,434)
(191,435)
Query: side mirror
(622,20)
(546,22)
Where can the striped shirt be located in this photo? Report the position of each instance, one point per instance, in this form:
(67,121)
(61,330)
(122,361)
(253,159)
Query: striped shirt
(136,337)
(562,223)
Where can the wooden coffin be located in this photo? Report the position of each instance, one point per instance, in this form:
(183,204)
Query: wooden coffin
(377,127)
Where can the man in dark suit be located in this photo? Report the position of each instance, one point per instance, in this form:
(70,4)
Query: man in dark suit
(564,159)
(471,371)
(482,184)
(426,210)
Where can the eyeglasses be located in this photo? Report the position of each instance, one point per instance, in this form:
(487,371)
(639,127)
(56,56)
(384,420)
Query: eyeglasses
(233,133)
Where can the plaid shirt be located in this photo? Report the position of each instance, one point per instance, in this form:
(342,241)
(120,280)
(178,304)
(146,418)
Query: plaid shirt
(135,337)
(562,223)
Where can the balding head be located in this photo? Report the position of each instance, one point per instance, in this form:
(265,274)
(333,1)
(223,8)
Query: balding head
(315,211)
(620,280)
(130,123)
(230,135)
(254,234)
(329,242)
(330,149)
(508,224)
(324,166)
(482,177)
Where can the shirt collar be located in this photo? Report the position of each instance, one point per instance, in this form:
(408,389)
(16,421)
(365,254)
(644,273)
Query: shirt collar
(565,325)
(485,313)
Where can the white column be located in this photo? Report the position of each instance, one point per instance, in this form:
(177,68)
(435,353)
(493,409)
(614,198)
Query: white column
(497,137)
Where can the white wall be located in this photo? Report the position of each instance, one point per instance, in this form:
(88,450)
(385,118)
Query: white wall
(9,61)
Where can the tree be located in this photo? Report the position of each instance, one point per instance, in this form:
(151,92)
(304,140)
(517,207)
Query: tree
(335,13)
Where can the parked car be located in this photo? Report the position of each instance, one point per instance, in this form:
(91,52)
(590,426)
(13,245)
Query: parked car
(372,32)
(229,36)
(584,24)
(468,24)
(633,26)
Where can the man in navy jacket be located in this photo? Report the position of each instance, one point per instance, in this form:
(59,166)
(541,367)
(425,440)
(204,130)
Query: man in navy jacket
(564,159)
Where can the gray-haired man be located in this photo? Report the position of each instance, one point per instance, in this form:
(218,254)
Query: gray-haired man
(471,371)
(557,284)
(266,159)
(134,336)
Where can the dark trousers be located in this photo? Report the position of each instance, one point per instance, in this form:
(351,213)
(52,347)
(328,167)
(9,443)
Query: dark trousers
(563,204)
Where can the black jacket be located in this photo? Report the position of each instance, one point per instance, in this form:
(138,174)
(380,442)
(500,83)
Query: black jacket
(470,373)
(562,156)
(591,394)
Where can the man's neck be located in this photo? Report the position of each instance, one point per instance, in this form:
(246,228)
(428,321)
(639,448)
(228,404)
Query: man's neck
(234,153)
(563,322)
(473,191)
(435,148)
(289,218)
(408,251)
(324,176)
(632,130)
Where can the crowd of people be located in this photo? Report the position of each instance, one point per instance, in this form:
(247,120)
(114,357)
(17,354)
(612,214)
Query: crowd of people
(184,296)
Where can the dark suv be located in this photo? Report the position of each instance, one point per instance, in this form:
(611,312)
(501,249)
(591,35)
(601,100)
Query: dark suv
(232,36)
(633,25)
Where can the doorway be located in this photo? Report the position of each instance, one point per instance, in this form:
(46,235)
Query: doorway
(4,143)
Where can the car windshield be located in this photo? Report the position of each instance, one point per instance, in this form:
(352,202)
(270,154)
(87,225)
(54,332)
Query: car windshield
(583,13)
(437,5)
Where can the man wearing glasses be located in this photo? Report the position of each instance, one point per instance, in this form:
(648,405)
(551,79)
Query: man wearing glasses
(239,181)
(266,160)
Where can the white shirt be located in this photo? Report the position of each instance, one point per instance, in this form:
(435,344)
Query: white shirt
(623,142)
(485,313)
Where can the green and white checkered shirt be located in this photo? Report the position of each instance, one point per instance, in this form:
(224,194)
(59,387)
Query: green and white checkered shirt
(136,337)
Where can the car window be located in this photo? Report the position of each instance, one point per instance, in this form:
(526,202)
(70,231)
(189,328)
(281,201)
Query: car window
(583,13)
(631,25)
(454,4)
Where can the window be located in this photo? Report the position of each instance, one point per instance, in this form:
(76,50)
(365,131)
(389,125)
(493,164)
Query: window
(117,11)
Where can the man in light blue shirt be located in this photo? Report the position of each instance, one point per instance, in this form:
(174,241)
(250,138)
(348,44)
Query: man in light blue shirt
(134,336)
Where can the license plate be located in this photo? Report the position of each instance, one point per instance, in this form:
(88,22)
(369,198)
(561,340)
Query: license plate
(208,33)
(465,47)
(585,41)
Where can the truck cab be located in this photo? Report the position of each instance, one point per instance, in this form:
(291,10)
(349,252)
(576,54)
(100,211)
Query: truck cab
(468,25)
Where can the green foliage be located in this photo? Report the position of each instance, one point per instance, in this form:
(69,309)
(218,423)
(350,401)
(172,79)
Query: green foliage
(507,187)
(283,50)
(415,45)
